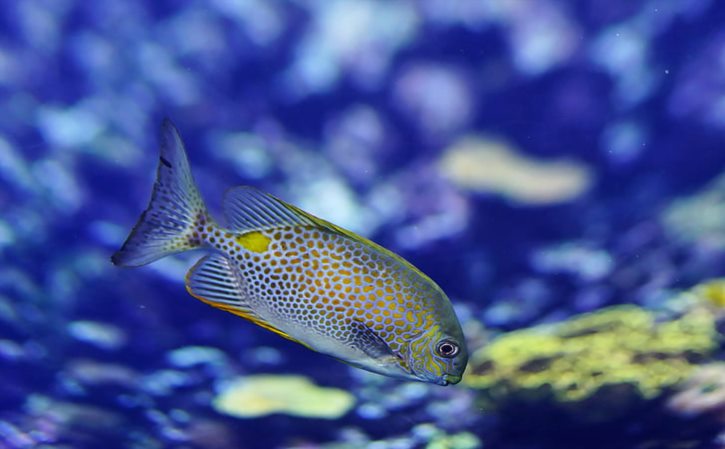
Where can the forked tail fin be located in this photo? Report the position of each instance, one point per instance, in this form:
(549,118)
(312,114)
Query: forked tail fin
(174,213)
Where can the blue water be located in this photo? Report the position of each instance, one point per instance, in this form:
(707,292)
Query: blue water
(355,111)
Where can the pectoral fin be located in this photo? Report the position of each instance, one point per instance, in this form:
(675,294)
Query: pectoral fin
(370,342)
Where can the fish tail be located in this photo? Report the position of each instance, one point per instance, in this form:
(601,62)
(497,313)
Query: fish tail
(176,217)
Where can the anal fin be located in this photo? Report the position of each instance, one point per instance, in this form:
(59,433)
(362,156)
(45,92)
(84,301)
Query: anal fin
(215,281)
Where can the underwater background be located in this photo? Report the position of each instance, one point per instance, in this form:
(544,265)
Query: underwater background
(558,168)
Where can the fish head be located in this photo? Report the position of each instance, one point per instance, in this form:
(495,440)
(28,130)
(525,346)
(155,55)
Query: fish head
(438,354)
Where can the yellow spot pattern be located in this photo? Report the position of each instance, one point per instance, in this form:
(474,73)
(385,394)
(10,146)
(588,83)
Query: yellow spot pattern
(328,283)
(254,241)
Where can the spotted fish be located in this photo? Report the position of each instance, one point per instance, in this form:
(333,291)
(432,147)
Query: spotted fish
(300,276)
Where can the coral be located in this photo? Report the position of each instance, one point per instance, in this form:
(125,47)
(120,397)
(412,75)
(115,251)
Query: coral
(91,372)
(261,395)
(697,219)
(422,436)
(49,422)
(712,291)
(101,335)
(483,164)
(702,394)
(604,362)
(352,110)
(461,440)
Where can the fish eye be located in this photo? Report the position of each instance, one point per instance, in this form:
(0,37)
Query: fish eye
(447,348)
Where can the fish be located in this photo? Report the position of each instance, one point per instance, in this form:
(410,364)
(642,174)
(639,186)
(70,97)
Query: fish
(297,275)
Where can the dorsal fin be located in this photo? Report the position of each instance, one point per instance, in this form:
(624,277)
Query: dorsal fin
(215,281)
(247,209)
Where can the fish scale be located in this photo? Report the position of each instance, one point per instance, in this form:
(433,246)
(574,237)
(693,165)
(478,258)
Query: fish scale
(299,276)
(325,281)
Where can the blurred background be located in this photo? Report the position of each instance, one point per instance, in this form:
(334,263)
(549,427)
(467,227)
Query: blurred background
(558,168)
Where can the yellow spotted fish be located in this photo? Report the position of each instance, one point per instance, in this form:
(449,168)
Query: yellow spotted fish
(300,276)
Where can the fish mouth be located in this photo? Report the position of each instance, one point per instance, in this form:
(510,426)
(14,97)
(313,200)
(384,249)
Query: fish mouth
(448,379)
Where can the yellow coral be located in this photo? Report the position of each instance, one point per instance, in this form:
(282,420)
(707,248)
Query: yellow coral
(255,396)
(621,352)
(712,291)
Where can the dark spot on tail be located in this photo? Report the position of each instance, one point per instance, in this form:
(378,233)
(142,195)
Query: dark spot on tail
(165,162)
